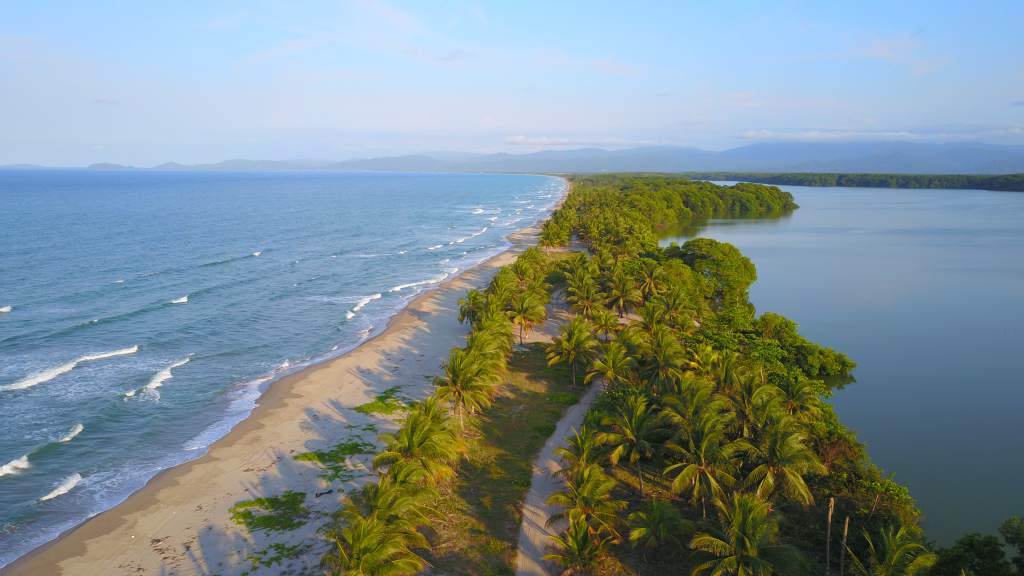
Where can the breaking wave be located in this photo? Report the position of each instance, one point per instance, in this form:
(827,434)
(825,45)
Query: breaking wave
(15,466)
(75,431)
(64,487)
(182,300)
(51,373)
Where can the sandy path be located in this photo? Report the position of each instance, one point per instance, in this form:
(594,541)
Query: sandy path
(179,522)
(534,536)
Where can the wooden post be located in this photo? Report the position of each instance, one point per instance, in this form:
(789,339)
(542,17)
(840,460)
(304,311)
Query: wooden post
(828,537)
(842,553)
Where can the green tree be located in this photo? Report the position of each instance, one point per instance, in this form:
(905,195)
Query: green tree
(896,553)
(705,464)
(782,460)
(466,382)
(575,344)
(615,365)
(527,311)
(424,446)
(632,435)
(587,496)
(578,547)
(582,449)
(746,542)
(472,306)
(370,546)
(622,291)
(604,322)
(656,524)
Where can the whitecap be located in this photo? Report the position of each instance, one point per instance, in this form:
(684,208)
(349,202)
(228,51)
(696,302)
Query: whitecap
(478,211)
(436,246)
(119,281)
(257,253)
(64,487)
(51,373)
(362,302)
(6,309)
(434,280)
(493,218)
(182,300)
(75,431)
(159,378)
(15,466)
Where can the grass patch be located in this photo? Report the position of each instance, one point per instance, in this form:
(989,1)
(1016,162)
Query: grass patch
(276,554)
(387,402)
(479,515)
(334,462)
(273,513)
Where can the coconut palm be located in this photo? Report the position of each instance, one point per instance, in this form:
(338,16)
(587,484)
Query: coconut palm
(587,496)
(896,553)
(746,543)
(472,306)
(658,523)
(651,278)
(581,449)
(466,382)
(622,291)
(705,464)
(677,307)
(800,398)
(578,547)
(752,400)
(783,459)
(615,365)
(527,310)
(585,297)
(662,358)
(370,546)
(632,434)
(604,321)
(574,345)
(424,446)
(691,403)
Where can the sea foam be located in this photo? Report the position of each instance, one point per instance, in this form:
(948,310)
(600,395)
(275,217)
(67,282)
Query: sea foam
(159,378)
(362,302)
(64,487)
(15,466)
(182,300)
(6,309)
(75,431)
(51,373)
(434,280)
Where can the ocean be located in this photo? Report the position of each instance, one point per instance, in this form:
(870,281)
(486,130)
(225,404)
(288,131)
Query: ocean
(142,313)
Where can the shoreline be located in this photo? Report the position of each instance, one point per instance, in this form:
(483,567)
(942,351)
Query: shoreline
(179,522)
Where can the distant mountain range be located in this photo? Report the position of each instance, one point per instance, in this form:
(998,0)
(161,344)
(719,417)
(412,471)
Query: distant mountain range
(861,157)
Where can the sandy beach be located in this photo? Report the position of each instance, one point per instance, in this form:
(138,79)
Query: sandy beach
(179,523)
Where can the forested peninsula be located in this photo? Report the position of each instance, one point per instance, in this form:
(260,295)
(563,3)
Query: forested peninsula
(1007,182)
(710,449)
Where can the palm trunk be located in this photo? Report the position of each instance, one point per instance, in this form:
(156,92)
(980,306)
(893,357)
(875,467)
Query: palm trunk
(520,334)
(640,473)
(842,551)
(572,367)
(828,537)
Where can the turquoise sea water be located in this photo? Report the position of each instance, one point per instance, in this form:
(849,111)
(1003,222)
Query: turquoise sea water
(142,313)
(925,290)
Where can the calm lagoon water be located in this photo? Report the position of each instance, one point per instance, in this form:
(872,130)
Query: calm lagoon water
(142,313)
(924,289)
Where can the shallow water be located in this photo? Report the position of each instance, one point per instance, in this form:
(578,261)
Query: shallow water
(925,290)
(149,309)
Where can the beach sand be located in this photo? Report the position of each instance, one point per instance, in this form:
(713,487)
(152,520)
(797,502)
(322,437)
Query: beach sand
(179,523)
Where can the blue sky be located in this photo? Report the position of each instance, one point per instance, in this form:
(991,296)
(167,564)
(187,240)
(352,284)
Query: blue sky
(139,83)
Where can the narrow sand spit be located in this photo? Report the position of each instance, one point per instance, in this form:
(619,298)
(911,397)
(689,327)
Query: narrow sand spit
(534,535)
(179,523)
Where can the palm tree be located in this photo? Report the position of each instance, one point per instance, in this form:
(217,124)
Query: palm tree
(604,322)
(703,361)
(588,496)
(471,306)
(651,277)
(705,464)
(622,291)
(752,401)
(800,398)
(677,307)
(370,546)
(578,547)
(656,524)
(585,298)
(896,554)
(581,450)
(575,343)
(663,357)
(632,435)
(783,460)
(424,446)
(466,383)
(527,310)
(746,544)
(615,366)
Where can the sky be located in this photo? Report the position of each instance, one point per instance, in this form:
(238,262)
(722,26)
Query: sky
(144,82)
